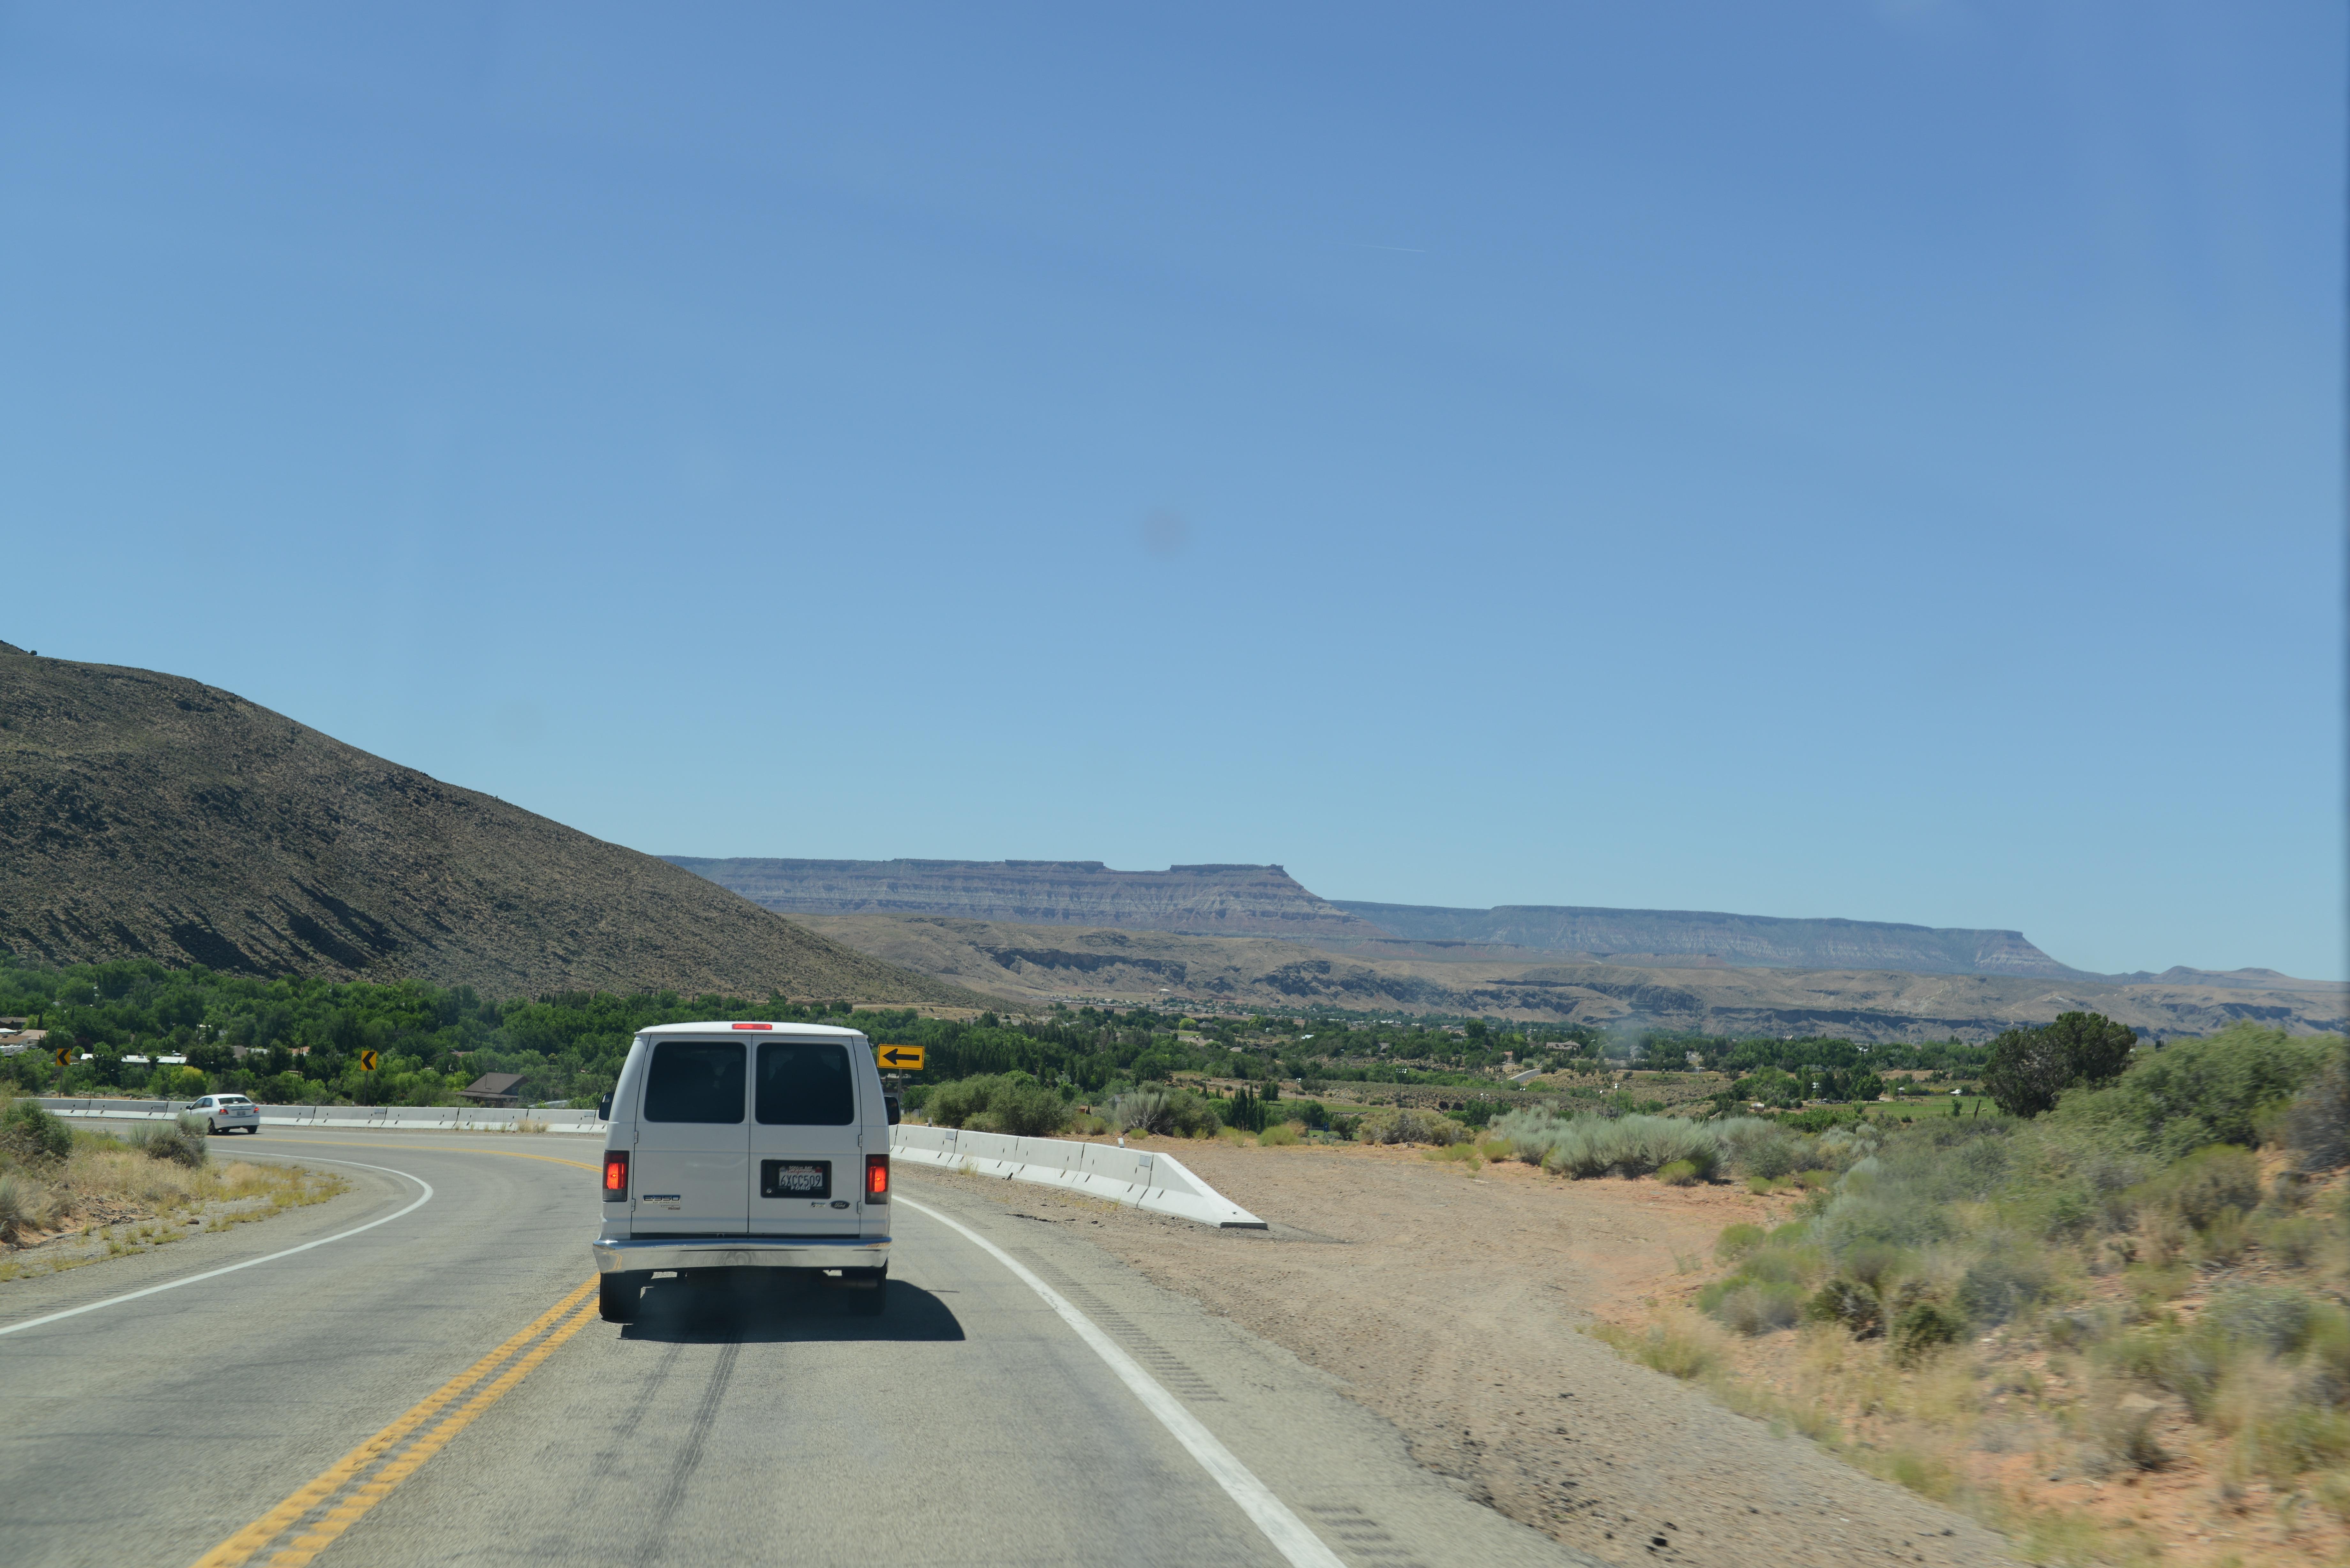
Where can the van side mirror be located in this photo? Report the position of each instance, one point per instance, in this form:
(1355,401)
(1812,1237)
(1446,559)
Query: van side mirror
(604,1109)
(891,1101)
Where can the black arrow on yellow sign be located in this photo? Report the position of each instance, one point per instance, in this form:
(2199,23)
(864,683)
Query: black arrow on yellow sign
(367,1061)
(905,1058)
(65,1055)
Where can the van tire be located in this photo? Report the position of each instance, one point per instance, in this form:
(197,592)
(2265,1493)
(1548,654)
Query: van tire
(616,1295)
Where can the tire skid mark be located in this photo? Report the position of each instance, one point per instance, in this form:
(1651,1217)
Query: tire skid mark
(689,1453)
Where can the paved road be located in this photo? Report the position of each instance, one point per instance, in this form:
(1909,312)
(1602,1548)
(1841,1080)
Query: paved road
(438,1389)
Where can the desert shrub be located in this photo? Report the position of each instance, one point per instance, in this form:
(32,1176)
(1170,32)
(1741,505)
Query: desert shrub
(1631,1146)
(1679,1173)
(1759,1306)
(2276,1320)
(2123,1428)
(1278,1135)
(169,1141)
(24,1205)
(1681,1346)
(26,1128)
(1850,1305)
(2077,1329)
(955,1105)
(2316,1126)
(2194,1093)
(1408,1124)
(2002,1282)
(1844,1147)
(1177,1113)
(1768,1159)
(2293,1437)
(1777,1264)
(2189,1363)
(1736,1240)
(1874,1263)
(2225,1240)
(1027,1110)
(1922,1325)
(2198,1189)
(2293,1240)
(2325,1355)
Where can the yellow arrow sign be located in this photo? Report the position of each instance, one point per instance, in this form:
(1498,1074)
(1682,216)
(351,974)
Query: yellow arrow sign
(367,1061)
(65,1055)
(902,1058)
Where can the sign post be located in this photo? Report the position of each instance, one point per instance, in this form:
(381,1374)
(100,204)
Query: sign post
(63,1051)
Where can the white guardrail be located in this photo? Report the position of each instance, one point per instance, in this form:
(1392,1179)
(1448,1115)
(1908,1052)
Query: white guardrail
(1137,1177)
(406,1118)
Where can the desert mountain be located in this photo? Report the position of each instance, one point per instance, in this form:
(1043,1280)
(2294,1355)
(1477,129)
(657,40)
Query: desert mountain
(147,814)
(1038,962)
(1666,936)
(1254,900)
(1266,900)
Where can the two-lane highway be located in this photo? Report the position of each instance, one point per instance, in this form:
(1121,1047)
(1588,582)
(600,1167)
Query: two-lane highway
(434,1385)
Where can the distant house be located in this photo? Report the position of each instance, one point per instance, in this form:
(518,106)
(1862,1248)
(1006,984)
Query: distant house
(494,1089)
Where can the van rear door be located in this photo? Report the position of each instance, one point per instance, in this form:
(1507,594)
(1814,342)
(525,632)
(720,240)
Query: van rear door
(806,1168)
(692,1136)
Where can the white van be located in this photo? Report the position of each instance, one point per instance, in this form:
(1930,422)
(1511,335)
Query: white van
(745,1146)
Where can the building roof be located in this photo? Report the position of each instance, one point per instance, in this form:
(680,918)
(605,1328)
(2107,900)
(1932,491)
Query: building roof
(492,1084)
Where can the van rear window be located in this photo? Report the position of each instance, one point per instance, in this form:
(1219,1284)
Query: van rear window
(695,1081)
(805,1082)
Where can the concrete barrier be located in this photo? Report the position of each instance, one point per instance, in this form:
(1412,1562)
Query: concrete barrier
(382,1118)
(1137,1177)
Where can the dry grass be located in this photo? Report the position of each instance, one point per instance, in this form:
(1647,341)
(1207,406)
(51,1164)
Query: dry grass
(107,1199)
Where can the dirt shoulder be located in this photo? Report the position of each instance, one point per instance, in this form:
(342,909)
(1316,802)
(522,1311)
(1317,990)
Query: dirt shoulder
(1454,1305)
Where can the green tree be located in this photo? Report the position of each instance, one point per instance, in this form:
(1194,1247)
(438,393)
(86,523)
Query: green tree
(2030,1067)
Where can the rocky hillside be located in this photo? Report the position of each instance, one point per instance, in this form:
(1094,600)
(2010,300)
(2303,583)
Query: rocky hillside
(1255,900)
(147,814)
(1034,962)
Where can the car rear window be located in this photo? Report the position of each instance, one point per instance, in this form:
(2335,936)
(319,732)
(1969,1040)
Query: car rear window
(805,1082)
(695,1081)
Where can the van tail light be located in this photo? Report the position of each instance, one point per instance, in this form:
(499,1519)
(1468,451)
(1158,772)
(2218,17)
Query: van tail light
(616,1176)
(876,1178)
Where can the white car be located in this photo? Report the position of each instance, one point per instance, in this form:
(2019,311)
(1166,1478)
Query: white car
(228,1113)
(735,1146)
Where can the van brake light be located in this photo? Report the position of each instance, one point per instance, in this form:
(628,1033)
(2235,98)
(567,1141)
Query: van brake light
(616,1176)
(754,1026)
(876,1178)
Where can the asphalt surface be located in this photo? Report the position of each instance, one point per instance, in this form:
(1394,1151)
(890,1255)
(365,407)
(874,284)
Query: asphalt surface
(438,1389)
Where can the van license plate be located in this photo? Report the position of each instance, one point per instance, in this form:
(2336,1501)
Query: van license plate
(795,1178)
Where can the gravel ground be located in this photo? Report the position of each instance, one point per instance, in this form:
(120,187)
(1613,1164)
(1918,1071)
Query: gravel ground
(1452,1306)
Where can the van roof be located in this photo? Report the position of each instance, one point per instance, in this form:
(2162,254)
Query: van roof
(754,1026)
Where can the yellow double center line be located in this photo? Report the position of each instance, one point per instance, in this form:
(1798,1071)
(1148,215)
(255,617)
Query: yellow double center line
(397,1452)
(340,1495)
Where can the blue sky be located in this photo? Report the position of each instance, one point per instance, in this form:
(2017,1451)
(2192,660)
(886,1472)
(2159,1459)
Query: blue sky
(1818,459)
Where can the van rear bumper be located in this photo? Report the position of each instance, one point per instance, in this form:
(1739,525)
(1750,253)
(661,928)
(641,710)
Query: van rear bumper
(614,1256)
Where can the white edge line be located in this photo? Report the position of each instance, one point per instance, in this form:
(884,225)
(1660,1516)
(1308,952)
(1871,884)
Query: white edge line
(249,1263)
(1287,1533)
